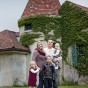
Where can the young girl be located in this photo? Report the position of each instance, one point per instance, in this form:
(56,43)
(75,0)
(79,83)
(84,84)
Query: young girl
(33,70)
(57,55)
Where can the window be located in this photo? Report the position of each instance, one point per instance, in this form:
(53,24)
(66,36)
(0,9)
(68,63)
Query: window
(28,27)
(80,49)
(18,38)
(31,5)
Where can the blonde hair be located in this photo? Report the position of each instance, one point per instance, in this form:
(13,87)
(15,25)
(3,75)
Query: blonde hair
(38,43)
(32,62)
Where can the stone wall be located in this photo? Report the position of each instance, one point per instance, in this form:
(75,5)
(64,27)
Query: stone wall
(70,74)
(13,67)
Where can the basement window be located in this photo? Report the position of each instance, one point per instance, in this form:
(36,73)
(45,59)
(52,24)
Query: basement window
(28,27)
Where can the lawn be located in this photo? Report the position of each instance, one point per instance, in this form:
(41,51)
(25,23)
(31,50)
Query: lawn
(85,86)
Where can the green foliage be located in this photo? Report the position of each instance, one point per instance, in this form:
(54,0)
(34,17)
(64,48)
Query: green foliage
(27,38)
(70,26)
(42,23)
(69,83)
(73,21)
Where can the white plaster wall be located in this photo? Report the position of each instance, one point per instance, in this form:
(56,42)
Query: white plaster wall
(12,67)
(27,66)
(69,55)
(69,72)
(21,30)
(71,75)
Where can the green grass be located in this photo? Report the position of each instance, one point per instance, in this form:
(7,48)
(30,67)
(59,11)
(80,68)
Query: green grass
(85,86)
(73,86)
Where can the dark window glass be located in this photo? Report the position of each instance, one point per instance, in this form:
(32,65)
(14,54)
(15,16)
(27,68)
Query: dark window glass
(31,5)
(80,49)
(28,27)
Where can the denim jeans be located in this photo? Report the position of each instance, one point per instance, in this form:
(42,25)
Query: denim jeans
(55,81)
(40,79)
(47,83)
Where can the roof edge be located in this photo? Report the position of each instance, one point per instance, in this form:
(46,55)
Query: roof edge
(15,49)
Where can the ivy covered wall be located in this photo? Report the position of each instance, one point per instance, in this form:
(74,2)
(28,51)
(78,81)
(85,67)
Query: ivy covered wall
(42,23)
(71,26)
(74,31)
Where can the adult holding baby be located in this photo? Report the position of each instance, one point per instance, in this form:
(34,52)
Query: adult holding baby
(49,50)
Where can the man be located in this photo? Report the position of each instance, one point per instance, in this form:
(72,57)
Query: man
(49,50)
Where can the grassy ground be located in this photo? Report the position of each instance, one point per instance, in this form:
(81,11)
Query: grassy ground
(85,86)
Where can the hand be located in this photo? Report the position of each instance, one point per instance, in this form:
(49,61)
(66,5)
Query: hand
(37,67)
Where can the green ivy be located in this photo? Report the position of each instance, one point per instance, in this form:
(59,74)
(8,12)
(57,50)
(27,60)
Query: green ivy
(28,38)
(69,26)
(73,21)
(42,23)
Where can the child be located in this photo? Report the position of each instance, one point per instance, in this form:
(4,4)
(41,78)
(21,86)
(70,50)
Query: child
(48,72)
(33,70)
(57,55)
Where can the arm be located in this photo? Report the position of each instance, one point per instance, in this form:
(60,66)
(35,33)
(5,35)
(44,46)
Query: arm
(57,59)
(53,69)
(57,53)
(43,57)
(34,71)
(43,68)
(34,56)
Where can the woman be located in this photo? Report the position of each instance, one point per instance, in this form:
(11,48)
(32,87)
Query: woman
(39,58)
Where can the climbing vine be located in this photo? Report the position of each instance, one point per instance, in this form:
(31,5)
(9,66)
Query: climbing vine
(71,26)
(74,31)
(28,38)
(42,23)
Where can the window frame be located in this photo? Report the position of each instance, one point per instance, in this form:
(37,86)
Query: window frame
(28,27)
(80,49)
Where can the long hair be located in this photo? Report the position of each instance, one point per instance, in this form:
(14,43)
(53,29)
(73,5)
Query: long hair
(38,43)
(31,63)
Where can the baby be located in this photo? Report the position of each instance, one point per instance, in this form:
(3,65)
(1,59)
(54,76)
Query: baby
(57,55)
